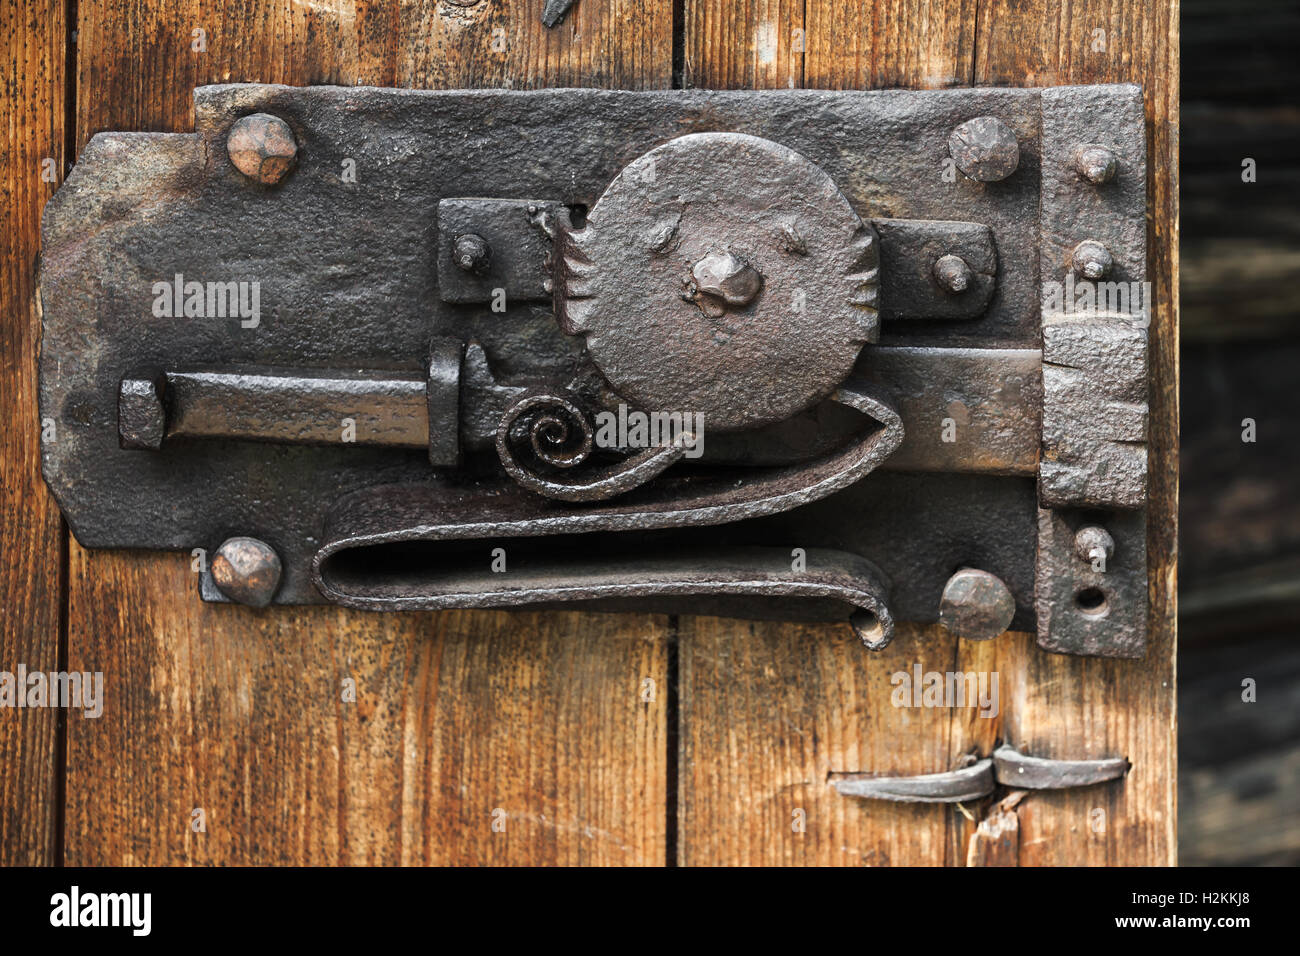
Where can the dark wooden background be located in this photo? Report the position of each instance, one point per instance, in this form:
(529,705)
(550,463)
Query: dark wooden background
(540,720)
(1239,785)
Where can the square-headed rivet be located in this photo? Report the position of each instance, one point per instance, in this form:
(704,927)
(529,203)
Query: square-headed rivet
(141,417)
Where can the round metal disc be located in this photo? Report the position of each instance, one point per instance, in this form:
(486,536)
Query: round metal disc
(725,275)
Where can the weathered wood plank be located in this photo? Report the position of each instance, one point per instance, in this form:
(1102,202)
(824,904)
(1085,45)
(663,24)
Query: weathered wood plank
(768,711)
(32,115)
(764,44)
(457,716)
(915,44)
(744,44)
(1075,708)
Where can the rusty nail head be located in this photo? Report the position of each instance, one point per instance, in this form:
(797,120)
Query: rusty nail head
(952,273)
(247,570)
(1091,540)
(985,148)
(1091,260)
(471,253)
(1096,164)
(976,605)
(262,147)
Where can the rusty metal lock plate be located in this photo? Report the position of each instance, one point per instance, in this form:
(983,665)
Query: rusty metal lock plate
(786,354)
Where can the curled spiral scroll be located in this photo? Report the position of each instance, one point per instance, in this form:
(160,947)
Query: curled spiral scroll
(542,436)
(558,432)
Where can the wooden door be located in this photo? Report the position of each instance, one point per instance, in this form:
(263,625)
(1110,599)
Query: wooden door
(537,738)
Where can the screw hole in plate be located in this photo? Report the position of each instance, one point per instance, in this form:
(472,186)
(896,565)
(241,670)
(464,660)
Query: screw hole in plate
(1092,601)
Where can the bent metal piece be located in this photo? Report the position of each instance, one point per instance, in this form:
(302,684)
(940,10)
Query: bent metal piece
(750,353)
(1007,767)
(828,575)
(953,786)
(378,517)
(1015,769)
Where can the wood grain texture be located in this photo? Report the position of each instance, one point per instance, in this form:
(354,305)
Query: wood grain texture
(459,715)
(32,40)
(1078,708)
(915,44)
(764,44)
(768,711)
(475,738)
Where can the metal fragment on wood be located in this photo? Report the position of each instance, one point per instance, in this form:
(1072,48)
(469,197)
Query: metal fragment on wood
(1014,769)
(1007,767)
(554,12)
(954,786)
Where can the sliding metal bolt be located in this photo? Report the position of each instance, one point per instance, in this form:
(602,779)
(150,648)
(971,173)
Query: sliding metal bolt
(262,147)
(976,605)
(247,571)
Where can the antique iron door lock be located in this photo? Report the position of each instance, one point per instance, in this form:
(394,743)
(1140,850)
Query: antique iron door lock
(802,355)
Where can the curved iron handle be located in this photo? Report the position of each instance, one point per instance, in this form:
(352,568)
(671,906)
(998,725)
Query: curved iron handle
(361,578)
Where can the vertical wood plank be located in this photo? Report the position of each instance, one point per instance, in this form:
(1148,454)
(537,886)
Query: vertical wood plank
(769,711)
(764,44)
(536,722)
(915,44)
(744,44)
(1075,708)
(32,38)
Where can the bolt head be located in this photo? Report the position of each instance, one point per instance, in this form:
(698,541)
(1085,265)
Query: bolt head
(726,280)
(985,148)
(976,605)
(471,253)
(1091,260)
(1091,540)
(262,147)
(953,274)
(1096,164)
(247,571)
